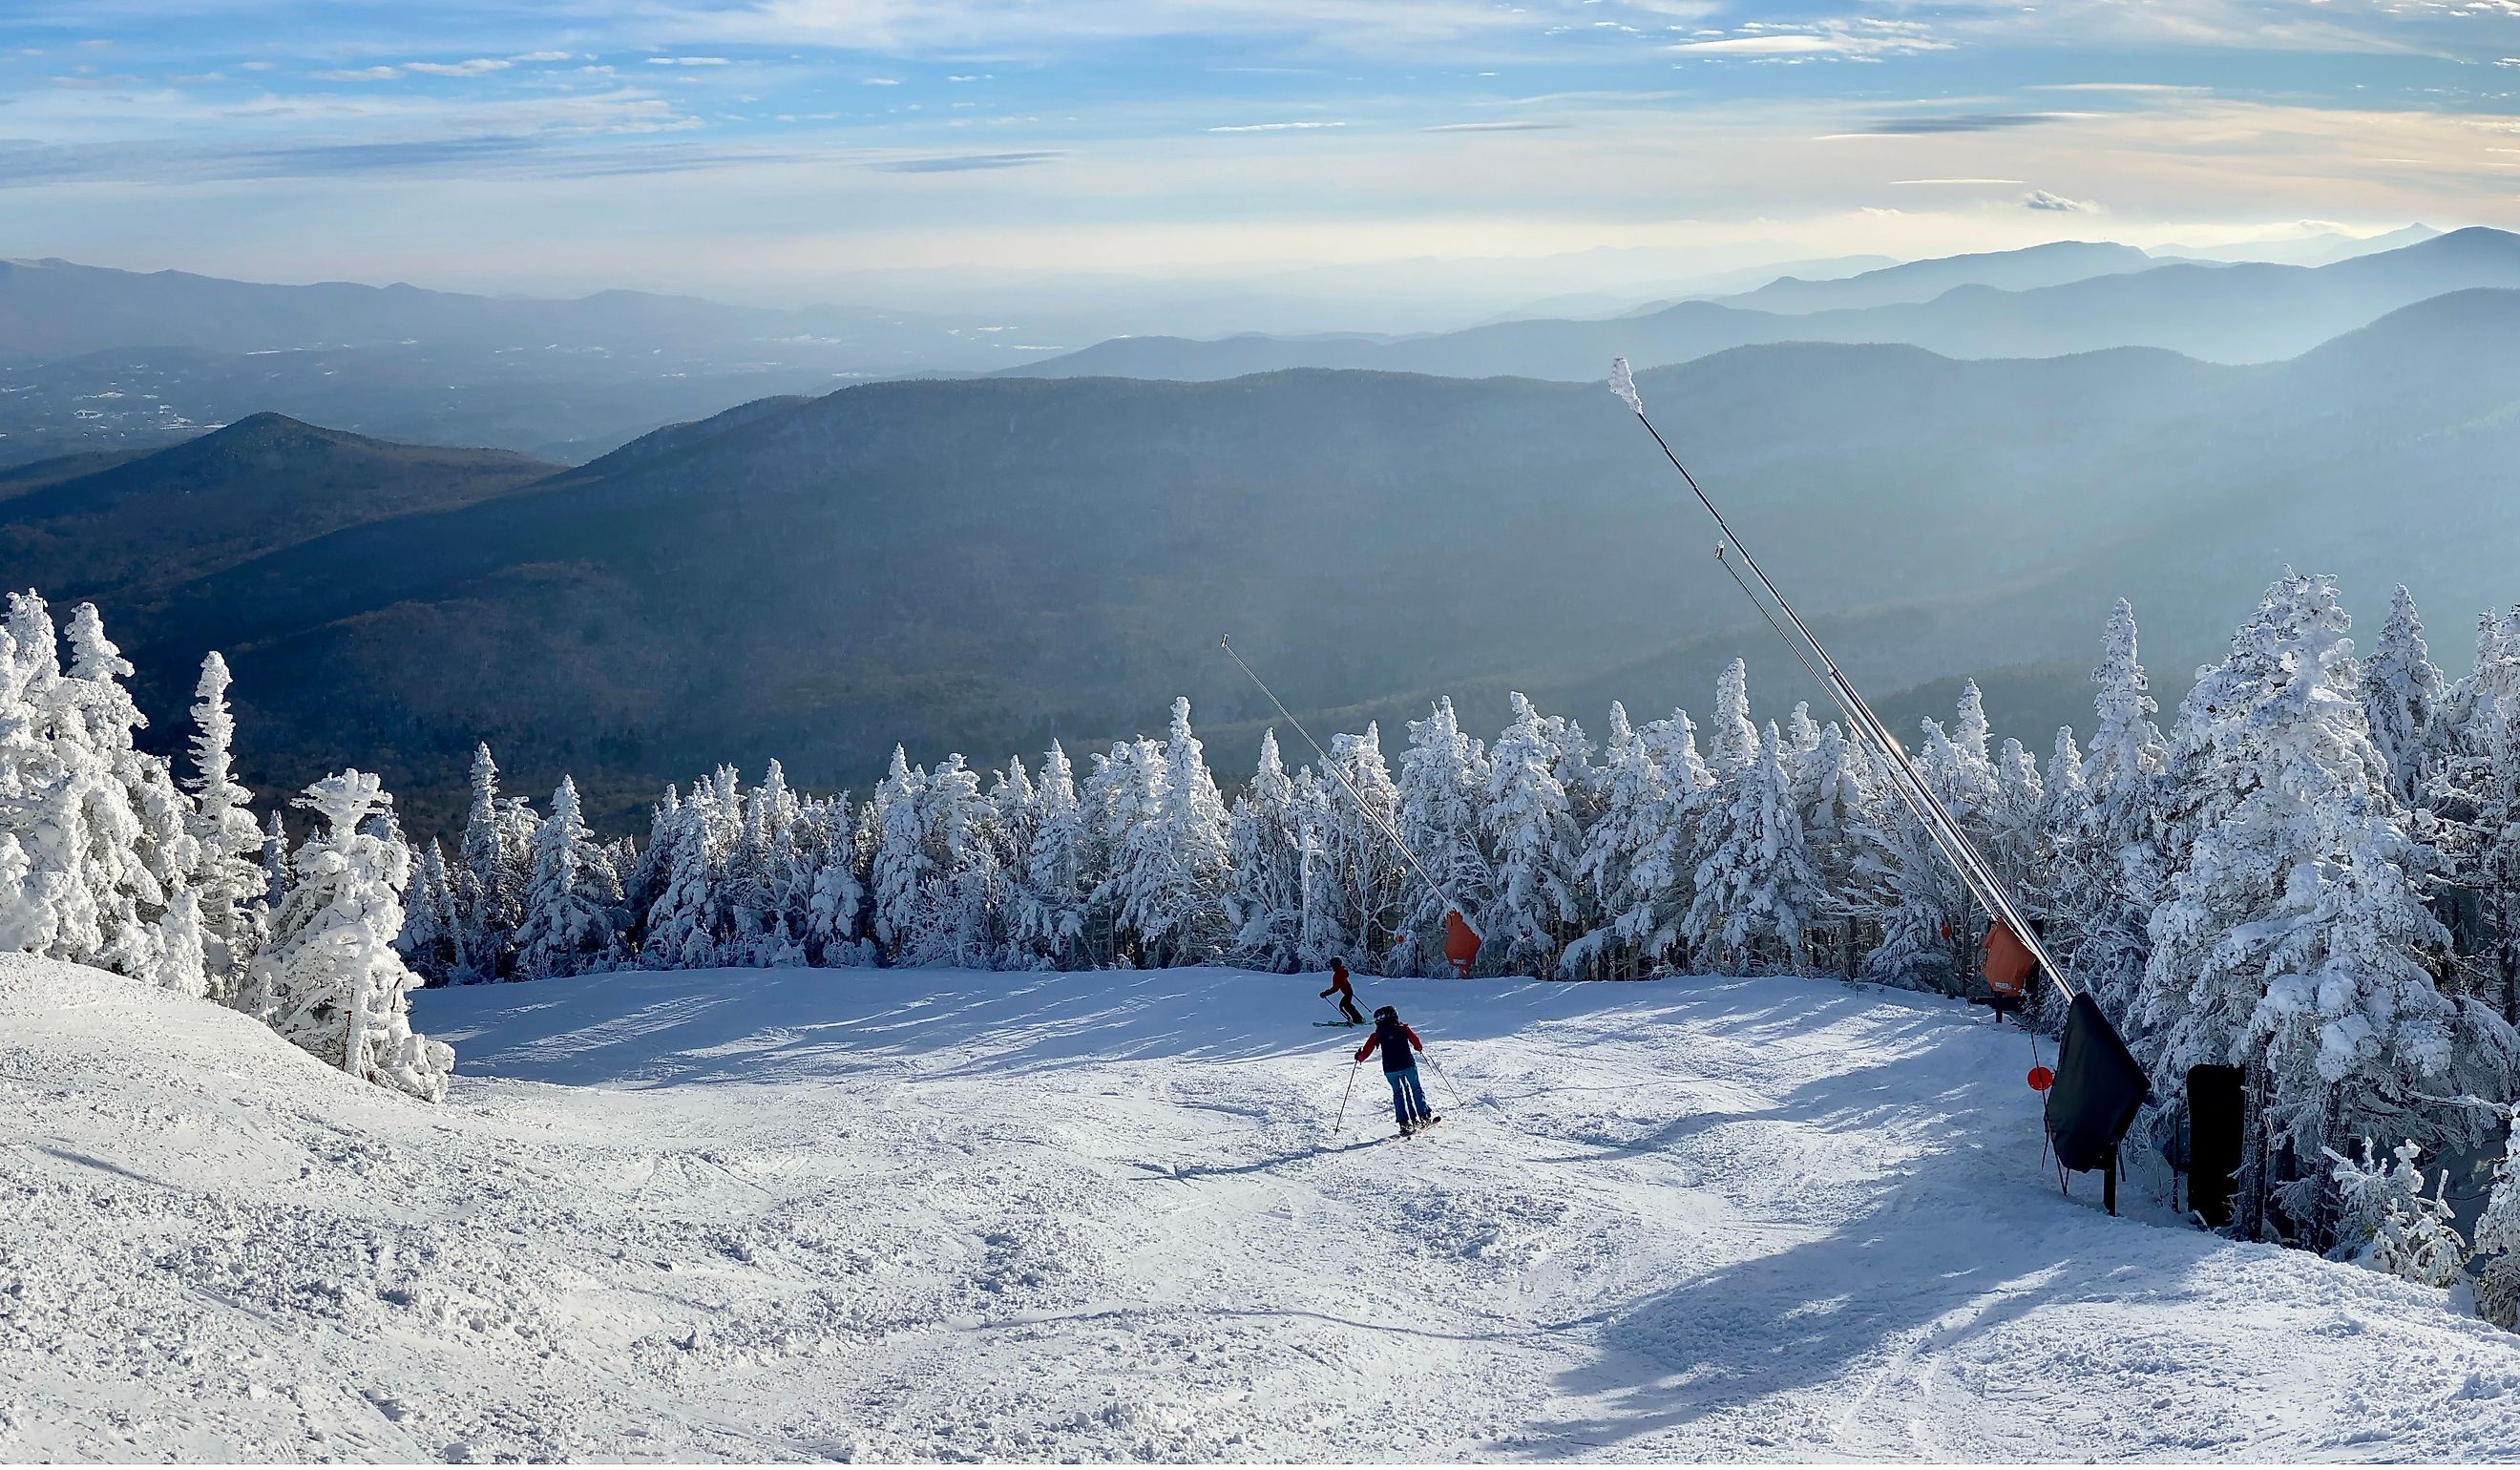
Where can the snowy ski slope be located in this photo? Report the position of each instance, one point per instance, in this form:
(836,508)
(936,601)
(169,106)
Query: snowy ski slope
(933,1214)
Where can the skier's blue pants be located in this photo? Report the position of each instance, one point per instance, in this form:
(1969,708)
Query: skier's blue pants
(1408,1099)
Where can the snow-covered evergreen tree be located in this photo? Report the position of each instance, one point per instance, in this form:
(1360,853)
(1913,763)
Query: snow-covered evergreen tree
(574,909)
(275,862)
(2386,1222)
(428,942)
(490,878)
(1538,846)
(952,916)
(329,980)
(1838,799)
(2498,1235)
(2124,856)
(228,879)
(1634,804)
(1358,889)
(1168,874)
(2295,940)
(1442,786)
(1048,926)
(1264,888)
(2403,693)
(1733,741)
(1755,886)
(903,864)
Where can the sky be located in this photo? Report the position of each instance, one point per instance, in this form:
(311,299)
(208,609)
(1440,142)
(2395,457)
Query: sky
(775,150)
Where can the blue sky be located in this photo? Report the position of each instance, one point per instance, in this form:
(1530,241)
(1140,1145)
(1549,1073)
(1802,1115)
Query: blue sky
(766,148)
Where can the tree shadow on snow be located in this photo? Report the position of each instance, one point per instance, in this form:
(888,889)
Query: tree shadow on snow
(646,1028)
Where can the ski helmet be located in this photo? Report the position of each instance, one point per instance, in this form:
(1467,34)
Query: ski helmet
(1387,1016)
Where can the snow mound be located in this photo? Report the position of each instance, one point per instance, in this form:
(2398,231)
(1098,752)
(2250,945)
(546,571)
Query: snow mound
(933,1214)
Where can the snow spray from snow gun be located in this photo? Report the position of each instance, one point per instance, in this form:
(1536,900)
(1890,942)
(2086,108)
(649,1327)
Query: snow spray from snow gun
(2092,1103)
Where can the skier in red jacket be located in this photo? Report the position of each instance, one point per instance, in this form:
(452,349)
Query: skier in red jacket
(1399,1044)
(1345,991)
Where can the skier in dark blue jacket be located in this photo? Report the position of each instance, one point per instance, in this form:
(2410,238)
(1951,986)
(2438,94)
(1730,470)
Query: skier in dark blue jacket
(1399,1046)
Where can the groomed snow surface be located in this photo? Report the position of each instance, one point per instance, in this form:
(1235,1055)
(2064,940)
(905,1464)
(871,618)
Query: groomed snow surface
(924,1214)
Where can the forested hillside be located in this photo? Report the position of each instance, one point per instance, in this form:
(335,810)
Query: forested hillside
(989,564)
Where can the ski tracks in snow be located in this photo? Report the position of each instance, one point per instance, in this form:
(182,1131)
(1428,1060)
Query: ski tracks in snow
(931,1215)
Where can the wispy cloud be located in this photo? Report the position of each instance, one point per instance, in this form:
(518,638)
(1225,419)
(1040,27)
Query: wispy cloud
(477,66)
(1955,122)
(1861,39)
(688,60)
(1493,127)
(1273,127)
(1899,182)
(2041,199)
(967,163)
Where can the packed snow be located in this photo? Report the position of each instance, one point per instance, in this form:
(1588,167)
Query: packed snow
(914,1213)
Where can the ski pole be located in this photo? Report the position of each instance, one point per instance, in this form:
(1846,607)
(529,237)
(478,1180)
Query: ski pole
(1345,1093)
(1458,1092)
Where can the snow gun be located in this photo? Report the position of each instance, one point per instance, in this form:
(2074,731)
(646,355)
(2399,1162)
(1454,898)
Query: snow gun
(2093,1091)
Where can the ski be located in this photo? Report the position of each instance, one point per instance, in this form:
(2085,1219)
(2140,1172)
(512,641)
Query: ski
(1341,1025)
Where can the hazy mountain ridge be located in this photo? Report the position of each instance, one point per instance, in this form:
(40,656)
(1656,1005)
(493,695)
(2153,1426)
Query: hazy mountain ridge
(2220,313)
(984,564)
(127,532)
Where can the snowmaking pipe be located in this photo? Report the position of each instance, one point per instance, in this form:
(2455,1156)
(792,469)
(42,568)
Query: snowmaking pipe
(1953,843)
(1909,802)
(1333,767)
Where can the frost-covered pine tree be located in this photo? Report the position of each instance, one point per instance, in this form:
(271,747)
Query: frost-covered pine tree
(903,864)
(1615,845)
(2498,1235)
(1538,846)
(227,879)
(2015,829)
(1755,886)
(2403,693)
(330,981)
(2122,856)
(183,960)
(1442,786)
(1836,799)
(428,942)
(489,879)
(1733,741)
(2386,1222)
(954,914)
(755,932)
(682,930)
(1169,872)
(823,861)
(1048,926)
(1652,927)
(139,848)
(275,862)
(573,910)
(1264,886)
(2295,940)
(1359,888)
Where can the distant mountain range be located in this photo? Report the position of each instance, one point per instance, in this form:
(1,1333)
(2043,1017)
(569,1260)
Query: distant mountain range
(2219,313)
(983,565)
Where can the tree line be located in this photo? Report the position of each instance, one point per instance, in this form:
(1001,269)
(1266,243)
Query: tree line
(2313,872)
